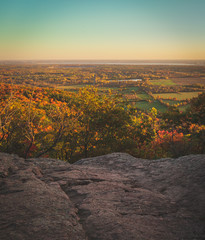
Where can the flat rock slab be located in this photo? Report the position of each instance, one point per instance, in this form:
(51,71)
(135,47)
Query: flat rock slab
(111,197)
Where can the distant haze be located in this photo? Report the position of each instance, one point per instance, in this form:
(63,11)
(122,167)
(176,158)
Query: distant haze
(106,30)
(80,63)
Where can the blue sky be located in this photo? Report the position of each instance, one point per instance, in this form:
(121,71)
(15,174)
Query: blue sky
(114,29)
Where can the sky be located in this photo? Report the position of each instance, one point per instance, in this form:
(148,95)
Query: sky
(102,29)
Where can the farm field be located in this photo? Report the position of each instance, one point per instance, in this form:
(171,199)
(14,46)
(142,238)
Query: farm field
(164,82)
(176,82)
(171,102)
(188,81)
(144,96)
(178,96)
(147,106)
(183,108)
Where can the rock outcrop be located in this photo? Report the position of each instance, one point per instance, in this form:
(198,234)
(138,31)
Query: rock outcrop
(115,196)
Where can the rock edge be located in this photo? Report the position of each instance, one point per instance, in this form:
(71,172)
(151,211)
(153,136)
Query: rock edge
(109,197)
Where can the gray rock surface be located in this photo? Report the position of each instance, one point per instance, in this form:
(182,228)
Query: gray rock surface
(111,197)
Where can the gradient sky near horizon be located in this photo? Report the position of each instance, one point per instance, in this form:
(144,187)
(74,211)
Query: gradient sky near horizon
(102,29)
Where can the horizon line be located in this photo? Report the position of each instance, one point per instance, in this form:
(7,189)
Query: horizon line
(85,59)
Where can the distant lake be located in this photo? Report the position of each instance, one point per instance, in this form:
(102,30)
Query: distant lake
(125,80)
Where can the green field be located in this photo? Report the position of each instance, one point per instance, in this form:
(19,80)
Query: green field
(144,96)
(144,105)
(164,82)
(178,96)
(171,102)
(130,89)
(183,108)
(109,88)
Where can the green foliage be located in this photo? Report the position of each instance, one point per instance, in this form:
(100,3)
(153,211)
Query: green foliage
(197,108)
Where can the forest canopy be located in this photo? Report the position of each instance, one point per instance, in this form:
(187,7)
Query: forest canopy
(45,122)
